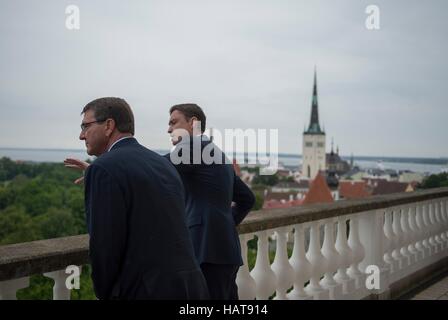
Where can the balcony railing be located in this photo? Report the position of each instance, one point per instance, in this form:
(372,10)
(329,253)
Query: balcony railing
(376,248)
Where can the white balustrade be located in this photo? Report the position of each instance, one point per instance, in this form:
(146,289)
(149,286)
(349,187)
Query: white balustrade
(346,255)
(8,288)
(262,273)
(408,249)
(443,225)
(403,262)
(416,246)
(376,245)
(318,263)
(426,233)
(389,258)
(439,227)
(333,261)
(301,265)
(244,281)
(445,213)
(358,256)
(284,272)
(430,227)
(399,240)
(60,289)
(435,228)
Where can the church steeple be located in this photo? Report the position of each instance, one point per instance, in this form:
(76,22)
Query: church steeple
(314,127)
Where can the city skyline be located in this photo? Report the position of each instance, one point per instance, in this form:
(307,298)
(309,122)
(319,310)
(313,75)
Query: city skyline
(249,65)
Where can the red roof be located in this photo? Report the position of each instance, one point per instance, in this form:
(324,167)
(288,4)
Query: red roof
(319,191)
(389,187)
(353,189)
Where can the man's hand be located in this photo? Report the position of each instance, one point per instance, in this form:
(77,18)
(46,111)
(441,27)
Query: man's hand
(76,164)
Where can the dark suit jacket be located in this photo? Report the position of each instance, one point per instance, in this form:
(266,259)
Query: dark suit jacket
(139,242)
(211,218)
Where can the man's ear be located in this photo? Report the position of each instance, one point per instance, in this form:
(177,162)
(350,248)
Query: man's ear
(195,125)
(192,120)
(110,126)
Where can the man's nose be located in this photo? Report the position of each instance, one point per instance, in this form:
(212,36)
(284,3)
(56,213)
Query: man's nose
(82,136)
(170,130)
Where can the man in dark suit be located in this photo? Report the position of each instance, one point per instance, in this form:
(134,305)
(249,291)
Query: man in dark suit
(210,188)
(140,247)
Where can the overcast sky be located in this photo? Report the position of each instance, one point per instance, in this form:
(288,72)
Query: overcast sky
(248,64)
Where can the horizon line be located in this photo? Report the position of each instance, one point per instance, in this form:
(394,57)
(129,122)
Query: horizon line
(280,153)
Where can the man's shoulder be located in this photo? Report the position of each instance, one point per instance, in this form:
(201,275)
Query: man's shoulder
(116,155)
(130,155)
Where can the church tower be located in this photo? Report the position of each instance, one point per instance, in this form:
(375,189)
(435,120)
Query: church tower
(313,153)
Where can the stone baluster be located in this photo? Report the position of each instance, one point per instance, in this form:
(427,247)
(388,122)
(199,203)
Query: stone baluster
(245,282)
(318,263)
(60,289)
(394,264)
(333,261)
(444,225)
(8,288)
(439,227)
(399,243)
(408,250)
(302,267)
(432,232)
(262,273)
(358,254)
(445,210)
(283,270)
(427,232)
(376,244)
(416,248)
(346,255)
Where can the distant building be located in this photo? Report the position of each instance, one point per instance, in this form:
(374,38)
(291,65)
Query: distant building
(314,156)
(313,148)
(334,163)
(286,186)
(319,191)
(408,176)
(380,186)
(349,189)
(285,173)
(333,184)
(355,174)
(273,200)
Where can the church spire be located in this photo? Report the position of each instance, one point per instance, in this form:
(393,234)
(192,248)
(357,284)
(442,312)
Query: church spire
(314,127)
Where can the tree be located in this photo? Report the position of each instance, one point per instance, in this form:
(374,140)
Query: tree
(259,200)
(435,181)
(55,223)
(16,226)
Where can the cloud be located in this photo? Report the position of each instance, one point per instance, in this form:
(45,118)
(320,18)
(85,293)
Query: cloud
(249,64)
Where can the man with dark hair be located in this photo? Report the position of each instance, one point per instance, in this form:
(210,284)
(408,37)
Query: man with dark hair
(210,190)
(191,112)
(140,247)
